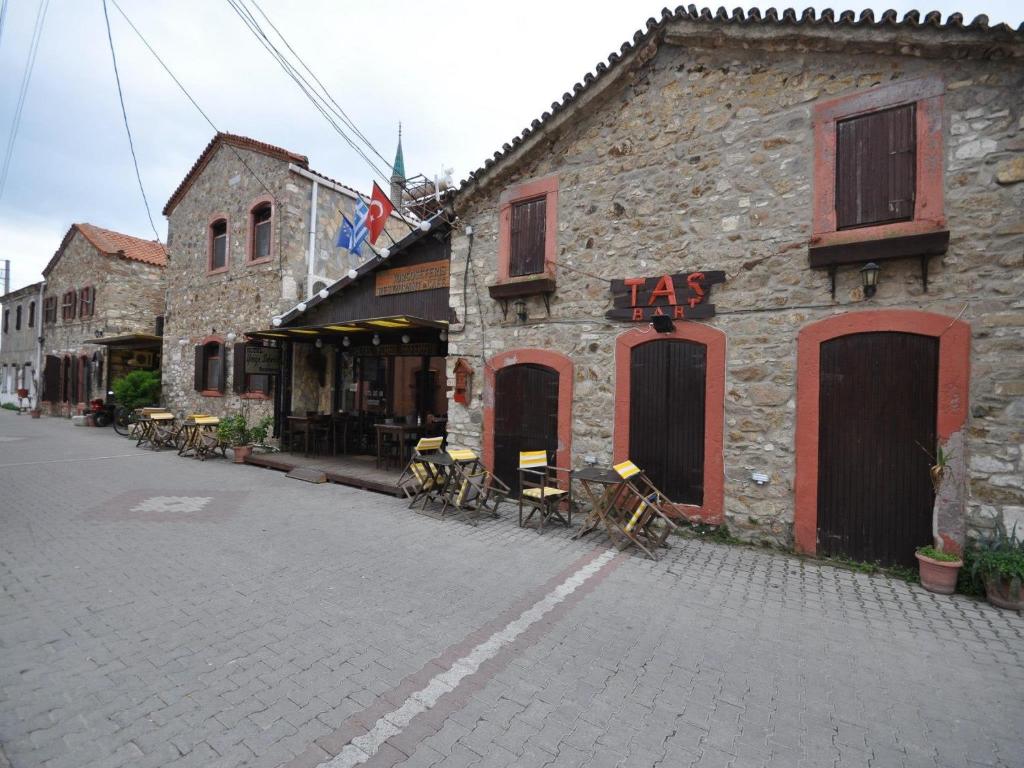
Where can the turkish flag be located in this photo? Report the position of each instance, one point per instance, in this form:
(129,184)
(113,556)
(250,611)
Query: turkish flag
(380,209)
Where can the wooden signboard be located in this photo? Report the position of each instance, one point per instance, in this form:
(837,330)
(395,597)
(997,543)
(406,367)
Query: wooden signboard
(418,349)
(680,297)
(418,277)
(262,360)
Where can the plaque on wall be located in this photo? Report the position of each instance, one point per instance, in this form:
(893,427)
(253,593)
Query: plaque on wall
(262,360)
(417,277)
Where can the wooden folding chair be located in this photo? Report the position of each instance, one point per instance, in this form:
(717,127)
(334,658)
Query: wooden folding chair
(421,480)
(643,506)
(539,489)
(472,487)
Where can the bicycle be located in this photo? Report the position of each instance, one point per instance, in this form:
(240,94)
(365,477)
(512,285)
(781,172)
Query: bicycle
(125,420)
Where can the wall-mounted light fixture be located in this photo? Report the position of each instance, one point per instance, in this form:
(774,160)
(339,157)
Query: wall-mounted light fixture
(323,293)
(352,274)
(182,342)
(385,252)
(520,309)
(405,338)
(231,337)
(301,306)
(425,226)
(319,343)
(345,341)
(760,478)
(869,278)
(663,324)
(376,340)
(276,321)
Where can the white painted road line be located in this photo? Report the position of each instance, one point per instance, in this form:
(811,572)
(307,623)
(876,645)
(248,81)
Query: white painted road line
(73,461)
(362,748)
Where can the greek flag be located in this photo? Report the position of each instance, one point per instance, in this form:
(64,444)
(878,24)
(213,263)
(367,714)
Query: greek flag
(352,236)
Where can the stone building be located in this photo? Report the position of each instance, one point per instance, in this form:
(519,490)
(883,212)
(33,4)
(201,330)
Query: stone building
(19,346)
(101,287)
(735,175)
(243,250)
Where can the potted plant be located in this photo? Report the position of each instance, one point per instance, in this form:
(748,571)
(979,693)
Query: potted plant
(938,569)
(236,432)
(998,563)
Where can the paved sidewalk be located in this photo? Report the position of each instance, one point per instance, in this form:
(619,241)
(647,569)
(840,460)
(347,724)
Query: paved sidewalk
(162,611)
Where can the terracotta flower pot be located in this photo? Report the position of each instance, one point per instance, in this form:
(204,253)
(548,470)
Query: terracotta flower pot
(35,414)
(240,453)
(938,576)
(998,592)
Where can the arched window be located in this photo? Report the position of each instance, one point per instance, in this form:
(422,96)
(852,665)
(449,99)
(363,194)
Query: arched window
(17,318)
(260,222)
(218,245)
(31,314)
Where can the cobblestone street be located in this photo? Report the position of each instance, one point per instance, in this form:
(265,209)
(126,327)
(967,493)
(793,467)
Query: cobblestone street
(160,611)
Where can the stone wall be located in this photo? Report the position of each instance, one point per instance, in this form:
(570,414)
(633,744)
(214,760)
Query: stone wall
(129,295)
(701,157)
(247,296)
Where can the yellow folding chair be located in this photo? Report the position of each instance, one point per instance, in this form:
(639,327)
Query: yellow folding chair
(644,507)
(541,491)
(472,487)
(422,480)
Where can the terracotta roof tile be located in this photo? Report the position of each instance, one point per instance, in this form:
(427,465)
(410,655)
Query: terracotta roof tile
(242,142)
(111,243)
(769,17)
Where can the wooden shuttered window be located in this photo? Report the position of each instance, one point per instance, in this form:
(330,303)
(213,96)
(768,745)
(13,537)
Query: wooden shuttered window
(210,371)
(87,302)
(876,162)
(50,309)
(527,235)
(68,305)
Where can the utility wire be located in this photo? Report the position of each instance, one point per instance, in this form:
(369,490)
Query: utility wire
(128,130)
(188,96)
(37,33)
(3,16)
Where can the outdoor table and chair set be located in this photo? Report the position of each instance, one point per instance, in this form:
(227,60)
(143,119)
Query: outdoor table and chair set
(194,435)
(621,500)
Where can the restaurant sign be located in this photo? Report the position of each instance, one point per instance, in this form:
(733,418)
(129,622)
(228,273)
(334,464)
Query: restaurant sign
(680,297)
(418,277)
(262,360)
(419,349)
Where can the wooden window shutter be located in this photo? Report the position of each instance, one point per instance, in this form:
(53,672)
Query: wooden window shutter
(222,385)
(200,367)
(51,379)
(527,236)
(238,383)
(876,158)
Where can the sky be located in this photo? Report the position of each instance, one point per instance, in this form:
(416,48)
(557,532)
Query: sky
(463,78)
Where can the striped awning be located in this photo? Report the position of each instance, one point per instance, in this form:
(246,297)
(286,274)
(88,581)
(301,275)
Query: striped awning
(393,323)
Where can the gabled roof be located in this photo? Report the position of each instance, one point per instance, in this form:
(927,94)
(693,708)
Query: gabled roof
(20,293)
(111,243)
(242,142)
(771,18)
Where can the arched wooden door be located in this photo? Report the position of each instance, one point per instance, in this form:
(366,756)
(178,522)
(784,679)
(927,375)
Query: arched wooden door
(666,416)
(877,433)
(525,416)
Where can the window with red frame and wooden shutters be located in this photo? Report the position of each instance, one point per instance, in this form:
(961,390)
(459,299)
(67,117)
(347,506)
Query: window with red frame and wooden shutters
(876,162)
(50,309)
(210,370)
(86,302)
(527,236)
(68,305)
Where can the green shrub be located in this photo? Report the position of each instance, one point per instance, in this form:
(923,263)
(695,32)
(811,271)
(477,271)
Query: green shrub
(1000,556)
(938,554)
(235,430)
(138,389)
(10,407)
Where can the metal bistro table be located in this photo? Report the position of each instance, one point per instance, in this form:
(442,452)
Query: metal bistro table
(192,429)
(603,487)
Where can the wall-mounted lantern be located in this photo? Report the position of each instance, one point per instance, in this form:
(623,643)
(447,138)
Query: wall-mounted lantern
(869,278)
(520,309)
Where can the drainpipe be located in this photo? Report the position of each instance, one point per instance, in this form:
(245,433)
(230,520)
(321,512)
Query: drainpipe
(312,238)
(39,345)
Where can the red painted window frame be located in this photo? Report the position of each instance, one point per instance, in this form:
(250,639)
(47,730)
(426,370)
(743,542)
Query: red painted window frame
(250,249)
(209,244)
(69,308)
(546,187)
(82,294)
(927,94)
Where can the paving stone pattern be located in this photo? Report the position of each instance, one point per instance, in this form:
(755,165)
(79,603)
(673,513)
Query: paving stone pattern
(248,636)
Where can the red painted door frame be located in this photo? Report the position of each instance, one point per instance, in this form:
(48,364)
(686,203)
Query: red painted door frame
(954,390)
(713,509)
(562,365)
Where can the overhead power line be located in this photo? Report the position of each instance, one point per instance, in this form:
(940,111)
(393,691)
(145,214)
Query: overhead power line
(192,100)
(128,130)
(30,63)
